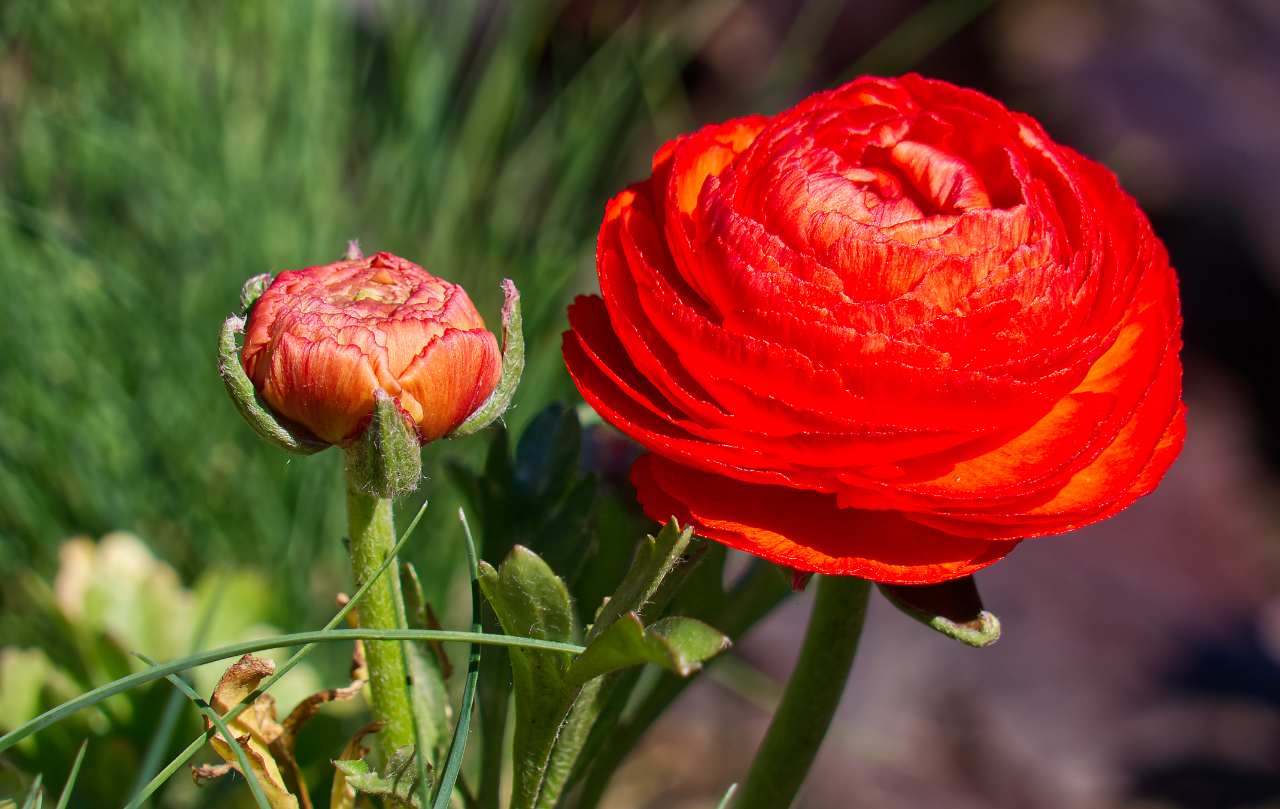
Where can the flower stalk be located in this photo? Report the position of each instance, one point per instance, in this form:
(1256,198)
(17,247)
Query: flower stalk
(809,702)
(373,536)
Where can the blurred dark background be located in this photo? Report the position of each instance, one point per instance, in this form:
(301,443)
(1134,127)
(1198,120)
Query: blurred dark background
(154,154)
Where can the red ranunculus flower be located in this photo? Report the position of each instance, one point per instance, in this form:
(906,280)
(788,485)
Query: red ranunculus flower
(321,341)
(886,333)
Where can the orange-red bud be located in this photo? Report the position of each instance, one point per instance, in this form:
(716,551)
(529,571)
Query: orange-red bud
(321,342)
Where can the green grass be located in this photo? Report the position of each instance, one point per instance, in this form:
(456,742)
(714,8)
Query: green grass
(156,154)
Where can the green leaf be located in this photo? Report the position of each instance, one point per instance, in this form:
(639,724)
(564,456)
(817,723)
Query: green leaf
(680,645)
(612,550)
(252,290)
(654,560)
(532,602)
(674,579)
(953,608)
(548,450)
(536,498)
(703,597)
(529,495)
(342,795)
(398,779)
(429,692)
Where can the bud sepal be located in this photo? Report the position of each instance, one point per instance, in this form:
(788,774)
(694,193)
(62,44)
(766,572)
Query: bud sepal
(512,367)
(292,438)
(953,608)
(252,290)
(386,459)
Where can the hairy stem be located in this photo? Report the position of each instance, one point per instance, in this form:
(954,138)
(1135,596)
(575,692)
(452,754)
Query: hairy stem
(809,702)
(373,535)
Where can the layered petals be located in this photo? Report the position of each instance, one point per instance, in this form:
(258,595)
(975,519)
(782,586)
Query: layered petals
(897,315)
(321,341)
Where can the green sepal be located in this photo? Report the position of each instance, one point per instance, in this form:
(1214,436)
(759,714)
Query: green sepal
(398,779)
(246,399)
(386,459)
(953,608)
(512,367)
(252,290)
(679,645)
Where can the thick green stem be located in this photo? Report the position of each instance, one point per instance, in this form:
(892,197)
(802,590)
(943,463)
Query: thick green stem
(811,696)
(373,536)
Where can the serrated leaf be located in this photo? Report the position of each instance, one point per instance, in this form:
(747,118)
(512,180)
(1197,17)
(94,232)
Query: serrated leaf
(680,645)
(398,779)
(343,795)
(673,579)
(655,558)
(530,495)
(731,610)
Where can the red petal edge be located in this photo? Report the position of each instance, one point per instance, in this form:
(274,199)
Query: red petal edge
(806,530)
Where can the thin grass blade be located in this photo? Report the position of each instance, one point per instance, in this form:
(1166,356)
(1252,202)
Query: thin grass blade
(34,796)
(71,779)
(246,769)
(144,794)
(461,731)
(173,706)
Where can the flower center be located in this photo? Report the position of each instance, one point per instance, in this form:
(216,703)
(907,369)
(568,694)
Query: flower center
(381,287)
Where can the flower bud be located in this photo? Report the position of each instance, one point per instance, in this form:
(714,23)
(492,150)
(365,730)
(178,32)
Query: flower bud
(322,343)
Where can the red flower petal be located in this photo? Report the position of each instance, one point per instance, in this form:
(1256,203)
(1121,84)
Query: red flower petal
(897,297)
(806,530)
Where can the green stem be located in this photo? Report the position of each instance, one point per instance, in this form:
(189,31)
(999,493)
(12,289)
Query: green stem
(809,702)
(373,536)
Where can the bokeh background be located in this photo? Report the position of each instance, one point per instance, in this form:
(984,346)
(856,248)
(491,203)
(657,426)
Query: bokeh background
(154,154)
